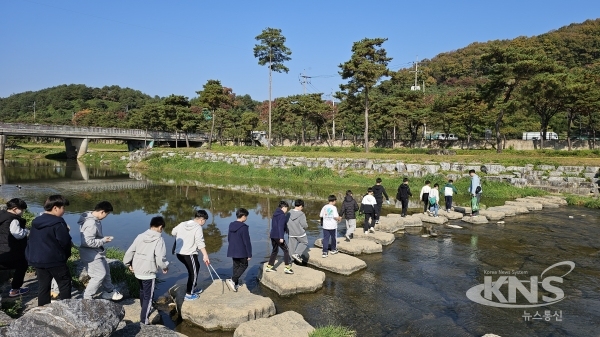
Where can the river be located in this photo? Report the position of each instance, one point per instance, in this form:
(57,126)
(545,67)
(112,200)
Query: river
(416,287)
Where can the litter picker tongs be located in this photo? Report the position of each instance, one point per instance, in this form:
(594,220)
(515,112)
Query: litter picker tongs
(209,265)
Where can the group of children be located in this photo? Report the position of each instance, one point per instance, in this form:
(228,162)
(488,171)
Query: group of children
(431,197)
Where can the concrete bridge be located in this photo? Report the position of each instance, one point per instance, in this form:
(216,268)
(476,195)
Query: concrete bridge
(77,138)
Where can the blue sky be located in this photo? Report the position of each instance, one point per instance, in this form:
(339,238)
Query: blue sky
(165,47)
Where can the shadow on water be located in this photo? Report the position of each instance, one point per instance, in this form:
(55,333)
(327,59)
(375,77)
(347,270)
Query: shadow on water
(416,287)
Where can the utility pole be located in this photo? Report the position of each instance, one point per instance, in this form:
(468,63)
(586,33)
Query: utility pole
(33,112)
(416,71)
(303,81)
(333,118)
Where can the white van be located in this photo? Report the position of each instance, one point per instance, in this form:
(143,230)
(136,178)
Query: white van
(538,136)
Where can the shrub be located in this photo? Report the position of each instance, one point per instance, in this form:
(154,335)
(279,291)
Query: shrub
(332,331)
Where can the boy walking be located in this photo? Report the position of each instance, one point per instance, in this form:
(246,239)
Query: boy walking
(475,190)
(424,196)
(434,199)
(379,193)
(403,195)
(189,239)
(146,254)
(278,229)
(297,226)
(93,254)
(13,242)
(330,217)
(240,247)
(49,248)
(367,206)
(449,191)
(349,208)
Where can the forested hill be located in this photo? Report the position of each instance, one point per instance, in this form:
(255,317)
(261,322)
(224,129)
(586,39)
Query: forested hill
(57,105)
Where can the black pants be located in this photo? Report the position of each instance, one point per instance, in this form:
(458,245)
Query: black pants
(61,274)
(146,293)
(366,224)
(20,268)
(276,245)
(425,202)
(378,210)
(193,267)
(404,206)
(239,267)
(448,199)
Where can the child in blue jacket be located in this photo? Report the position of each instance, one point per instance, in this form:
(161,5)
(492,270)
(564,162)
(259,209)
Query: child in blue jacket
(240,247)
(278,230)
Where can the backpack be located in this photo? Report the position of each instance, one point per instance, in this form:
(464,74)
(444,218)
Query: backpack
(432,200)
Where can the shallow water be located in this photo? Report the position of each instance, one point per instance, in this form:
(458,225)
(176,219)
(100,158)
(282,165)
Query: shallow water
(416,287)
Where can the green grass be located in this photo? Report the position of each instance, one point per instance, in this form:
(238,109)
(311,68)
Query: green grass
(589,202)
(332,331)
(13,309)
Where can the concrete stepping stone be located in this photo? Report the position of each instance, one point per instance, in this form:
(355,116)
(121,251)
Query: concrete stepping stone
(390,224)
(304,279)
(439,220)
(452,215)
(508,211)
(546,203)
(337,263)
(354,247)
(413,221)
(492,215)
(518,209)
(532,206)
(476,220)
(379,236)
(556,199)
(288,324)
(220,308)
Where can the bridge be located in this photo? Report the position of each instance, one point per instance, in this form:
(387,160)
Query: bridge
(77,138)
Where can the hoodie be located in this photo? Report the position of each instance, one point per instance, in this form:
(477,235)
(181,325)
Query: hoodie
(475,182)
(92,239)
(189,238)
(49,242)
(239,241)
(297,224)
(367,204)
(403,192)
(278,224)
(424,191)
(449,190)
(349,207)
(379,193)
(146,254)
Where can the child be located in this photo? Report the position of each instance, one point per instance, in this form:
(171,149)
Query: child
(403,195)
(434,199)
(13,242)
(49,248)
(146,254)
(367,206)
(189,239)
(330,217)
(379,193)
(449,191)
(297,226)
(93,254)
(424,196)
(278,230)
(240,247)
(349,208)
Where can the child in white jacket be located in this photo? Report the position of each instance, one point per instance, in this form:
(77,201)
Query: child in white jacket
(434,200)
(146,254)
(367,206)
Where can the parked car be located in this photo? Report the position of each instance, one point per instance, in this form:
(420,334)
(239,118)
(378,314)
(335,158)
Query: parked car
(538,136)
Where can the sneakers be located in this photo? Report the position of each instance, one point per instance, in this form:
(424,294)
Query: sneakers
(270,268)
(197,291)
(18,292)
(297,258)
(334,252)
(324,255)
(288,270)
(113,295)
(347,238)
(231,285)
(352,236)
(376,222)
(371,230)
(191,297)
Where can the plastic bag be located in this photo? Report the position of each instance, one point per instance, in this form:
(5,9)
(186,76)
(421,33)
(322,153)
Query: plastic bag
(474,205)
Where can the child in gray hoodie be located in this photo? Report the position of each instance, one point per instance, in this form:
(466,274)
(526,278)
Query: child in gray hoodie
(93,254)
(146,254)
(297,226)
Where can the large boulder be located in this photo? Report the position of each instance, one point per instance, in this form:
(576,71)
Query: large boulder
(390,224)
(143,330)
(337,263)
(304,280)
(437,220)
(355,247)
(71,318)
(220,308)
(5,319)
(383,238)
(492,215)
(288,324)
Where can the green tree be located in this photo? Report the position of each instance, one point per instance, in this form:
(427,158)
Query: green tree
(272,51)
(213,96)
(364,69)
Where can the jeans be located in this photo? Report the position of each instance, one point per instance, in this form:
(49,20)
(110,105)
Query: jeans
(434,208)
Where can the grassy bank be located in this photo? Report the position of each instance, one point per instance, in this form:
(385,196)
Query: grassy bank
(332,331)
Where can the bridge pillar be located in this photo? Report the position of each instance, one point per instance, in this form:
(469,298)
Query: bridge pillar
(133,145)
(2,146)
(76,147)
(76,170)
(3,179)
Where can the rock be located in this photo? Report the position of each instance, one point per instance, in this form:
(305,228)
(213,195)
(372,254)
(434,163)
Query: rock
(379,236)
(452,215)
(518,209)
(439,220)
(355,247)
(304,280)
(133,308)
(476,220)
(463,210)
(532,206)
(143,330)
(492,215)
(490,335)
(289,324)
(220,308)
(5,319)
(412,221)
(508,211)
(71,318)
(545,202)
(338,263)
(390,223)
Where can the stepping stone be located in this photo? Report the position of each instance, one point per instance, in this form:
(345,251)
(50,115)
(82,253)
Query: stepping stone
(379,236)
(452,215)
(545,202)
(508,211)
(390,223)
(354,247)
(476,220)
(518,209)
(133,307)
(463,210)
(220,308)
(304,279)
(492,215)
(338,263)
(143,330)
(555,199)
(440,220)
(532,206)
(413,221)
(288,324)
